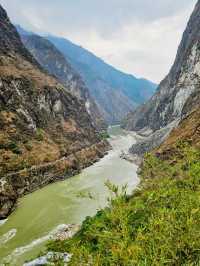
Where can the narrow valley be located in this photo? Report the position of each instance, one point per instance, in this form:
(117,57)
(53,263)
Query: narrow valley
(99,167)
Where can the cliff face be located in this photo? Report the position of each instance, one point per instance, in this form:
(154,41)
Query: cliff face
(170,102)
(46,133)
(51,59)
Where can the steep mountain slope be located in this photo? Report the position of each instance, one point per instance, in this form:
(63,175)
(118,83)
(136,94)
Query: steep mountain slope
(113,104)
(177,95)
(180,85)
(124,91)
(188,130)
(51,59)
(46,133)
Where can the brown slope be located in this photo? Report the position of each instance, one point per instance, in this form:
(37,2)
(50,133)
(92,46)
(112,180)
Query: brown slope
(188,130)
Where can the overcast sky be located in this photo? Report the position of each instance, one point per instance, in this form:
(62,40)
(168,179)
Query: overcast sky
(137,36)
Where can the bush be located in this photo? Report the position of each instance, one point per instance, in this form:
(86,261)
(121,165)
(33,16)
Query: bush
(39,134)
(104,135)
(14,148)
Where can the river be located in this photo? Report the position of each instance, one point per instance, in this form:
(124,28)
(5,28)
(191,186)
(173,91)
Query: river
(24,234)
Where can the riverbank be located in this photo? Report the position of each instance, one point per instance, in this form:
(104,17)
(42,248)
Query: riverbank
(68,202)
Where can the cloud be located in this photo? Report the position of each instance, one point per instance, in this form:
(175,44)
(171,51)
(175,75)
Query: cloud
(137,36)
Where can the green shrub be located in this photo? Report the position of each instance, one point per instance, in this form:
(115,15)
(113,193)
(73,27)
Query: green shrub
(13,146)
(39,134)
(104,135)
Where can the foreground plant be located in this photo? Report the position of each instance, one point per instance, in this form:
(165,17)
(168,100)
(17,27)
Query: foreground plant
(158,225)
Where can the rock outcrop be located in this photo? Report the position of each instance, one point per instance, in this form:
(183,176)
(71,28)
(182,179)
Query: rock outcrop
(46,133)
(179,93)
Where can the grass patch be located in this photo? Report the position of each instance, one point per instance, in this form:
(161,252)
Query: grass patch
(39,134)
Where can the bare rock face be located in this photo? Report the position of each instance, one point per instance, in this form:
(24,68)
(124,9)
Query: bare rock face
(44,129)
(52,60)
(181,85)
(177,95)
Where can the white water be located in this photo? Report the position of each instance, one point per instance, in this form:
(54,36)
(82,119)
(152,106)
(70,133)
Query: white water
(13,257)
(7,236)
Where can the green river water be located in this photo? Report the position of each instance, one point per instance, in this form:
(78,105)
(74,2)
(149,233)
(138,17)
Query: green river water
(24,234)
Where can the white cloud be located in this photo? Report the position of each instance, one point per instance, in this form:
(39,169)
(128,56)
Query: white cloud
(138,36)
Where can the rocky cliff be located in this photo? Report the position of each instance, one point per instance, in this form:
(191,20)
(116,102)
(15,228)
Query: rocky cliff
(178,93)
(46,133)
(51,59)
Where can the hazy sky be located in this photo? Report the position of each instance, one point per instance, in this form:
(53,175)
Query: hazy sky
(137,36)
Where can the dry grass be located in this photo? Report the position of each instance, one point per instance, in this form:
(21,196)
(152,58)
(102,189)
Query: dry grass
(18,67)
(16,156)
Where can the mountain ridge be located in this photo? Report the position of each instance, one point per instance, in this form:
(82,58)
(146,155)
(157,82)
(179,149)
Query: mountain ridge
(97,74)
(76,52)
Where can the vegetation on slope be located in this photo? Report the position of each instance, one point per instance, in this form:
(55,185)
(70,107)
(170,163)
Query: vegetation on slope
(104,135)
(158,225)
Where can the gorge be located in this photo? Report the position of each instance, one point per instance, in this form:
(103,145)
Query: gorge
(60,106)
